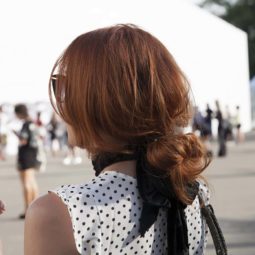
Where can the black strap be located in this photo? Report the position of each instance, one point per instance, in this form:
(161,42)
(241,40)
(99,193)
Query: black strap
(214,227)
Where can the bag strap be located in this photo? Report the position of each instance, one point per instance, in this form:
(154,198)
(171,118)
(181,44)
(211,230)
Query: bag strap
(214,227)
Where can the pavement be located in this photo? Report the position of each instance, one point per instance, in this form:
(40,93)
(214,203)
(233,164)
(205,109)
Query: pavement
(231,180)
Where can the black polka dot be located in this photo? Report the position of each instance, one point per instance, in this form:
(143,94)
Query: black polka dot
(106,215)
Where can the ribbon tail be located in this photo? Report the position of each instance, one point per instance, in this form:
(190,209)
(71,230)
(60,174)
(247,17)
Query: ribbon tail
(177,236)
(148,217)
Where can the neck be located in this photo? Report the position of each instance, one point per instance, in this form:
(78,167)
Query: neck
(125,167)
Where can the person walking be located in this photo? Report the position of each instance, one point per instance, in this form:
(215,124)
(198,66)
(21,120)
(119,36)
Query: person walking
(42,133)
(27,156)
(208,119)
(200,124)
(237,122)
(222,151)
(123,99)
(52,128)
(228,124)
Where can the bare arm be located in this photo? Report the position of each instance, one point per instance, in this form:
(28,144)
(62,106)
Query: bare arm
(48,228)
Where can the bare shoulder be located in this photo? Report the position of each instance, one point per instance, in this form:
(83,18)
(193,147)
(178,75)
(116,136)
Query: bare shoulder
(46,209)
(48,228)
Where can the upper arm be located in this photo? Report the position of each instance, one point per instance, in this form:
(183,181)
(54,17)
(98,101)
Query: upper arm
(48,228)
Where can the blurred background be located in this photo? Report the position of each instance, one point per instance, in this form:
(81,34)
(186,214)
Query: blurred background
(213,41)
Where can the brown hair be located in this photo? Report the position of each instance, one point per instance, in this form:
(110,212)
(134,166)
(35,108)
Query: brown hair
(120,86)
(21,109)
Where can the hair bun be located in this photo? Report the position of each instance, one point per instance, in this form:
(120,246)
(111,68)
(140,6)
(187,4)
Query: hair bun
(183,157)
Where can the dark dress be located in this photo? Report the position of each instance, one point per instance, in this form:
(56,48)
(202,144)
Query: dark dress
(221,135)
(208,120)
(27,154)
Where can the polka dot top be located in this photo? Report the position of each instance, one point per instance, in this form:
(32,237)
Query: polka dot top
(105,217)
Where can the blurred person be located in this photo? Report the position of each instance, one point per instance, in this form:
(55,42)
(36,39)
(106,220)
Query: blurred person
(52,129)
(200,124)
(222,151)
(2,207)
(27,156)
(3,133)
(208,119)
(73,156)
(237,123)
(123,97)
(61,134)
(198,120)
(41,153)
(228,115)
(38,120)
(228,126)
(58,134)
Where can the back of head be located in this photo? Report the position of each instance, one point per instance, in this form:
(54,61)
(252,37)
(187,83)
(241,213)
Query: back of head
(21,110)
(118,87)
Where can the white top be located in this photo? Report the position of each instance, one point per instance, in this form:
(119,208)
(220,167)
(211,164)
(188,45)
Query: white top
(105,216)
(3,123)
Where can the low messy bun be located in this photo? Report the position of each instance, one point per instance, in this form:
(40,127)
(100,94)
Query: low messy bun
(182,157)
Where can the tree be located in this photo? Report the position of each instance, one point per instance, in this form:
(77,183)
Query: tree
(240,13)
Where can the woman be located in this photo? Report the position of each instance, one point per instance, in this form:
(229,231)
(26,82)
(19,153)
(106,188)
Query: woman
(123,99)
(222,141)
(27,156)
(239,135)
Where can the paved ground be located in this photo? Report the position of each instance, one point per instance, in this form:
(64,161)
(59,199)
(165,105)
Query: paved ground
(231,179)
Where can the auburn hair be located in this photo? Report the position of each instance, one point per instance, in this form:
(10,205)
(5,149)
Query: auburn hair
(120,86)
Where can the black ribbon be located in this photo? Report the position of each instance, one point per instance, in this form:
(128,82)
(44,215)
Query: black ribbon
(156,191)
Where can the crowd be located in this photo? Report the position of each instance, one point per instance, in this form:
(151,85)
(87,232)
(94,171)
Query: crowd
(228,127)
(36,138)
(51,135)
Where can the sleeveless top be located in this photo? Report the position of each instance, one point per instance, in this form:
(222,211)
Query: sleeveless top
(105,215)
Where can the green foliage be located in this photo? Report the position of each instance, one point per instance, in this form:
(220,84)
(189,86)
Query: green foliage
(240,13)
(222,3)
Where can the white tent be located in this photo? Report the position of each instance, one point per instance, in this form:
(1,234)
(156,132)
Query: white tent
(211,52)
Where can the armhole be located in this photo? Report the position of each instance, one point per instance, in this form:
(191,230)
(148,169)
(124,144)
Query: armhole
(85,219)
(62,197)
(47,217)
